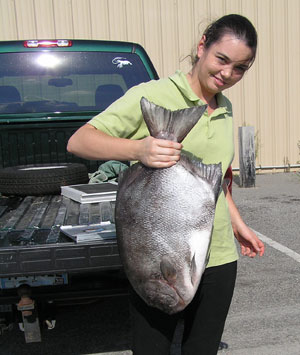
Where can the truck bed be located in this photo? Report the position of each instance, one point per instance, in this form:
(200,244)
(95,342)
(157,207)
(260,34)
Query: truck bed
(31,242)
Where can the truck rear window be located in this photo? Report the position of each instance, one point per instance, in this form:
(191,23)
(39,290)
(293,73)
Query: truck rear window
(59,81)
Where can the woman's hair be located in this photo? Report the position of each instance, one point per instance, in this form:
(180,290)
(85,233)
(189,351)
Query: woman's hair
(233,24)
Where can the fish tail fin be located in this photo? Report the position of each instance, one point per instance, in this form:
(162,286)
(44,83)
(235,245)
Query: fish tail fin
(167,124)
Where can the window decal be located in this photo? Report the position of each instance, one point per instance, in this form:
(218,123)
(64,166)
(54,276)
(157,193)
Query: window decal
(120,62)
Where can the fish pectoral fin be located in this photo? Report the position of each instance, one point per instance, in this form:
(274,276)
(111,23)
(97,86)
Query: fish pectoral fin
(168,270)
(193,270)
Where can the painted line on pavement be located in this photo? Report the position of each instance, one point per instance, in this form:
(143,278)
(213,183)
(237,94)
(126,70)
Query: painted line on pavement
(289,252)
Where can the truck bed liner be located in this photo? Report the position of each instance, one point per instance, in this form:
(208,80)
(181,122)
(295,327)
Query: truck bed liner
(31,241)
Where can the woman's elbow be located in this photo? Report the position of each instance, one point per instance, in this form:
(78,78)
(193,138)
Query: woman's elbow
(71,145)
(76,143)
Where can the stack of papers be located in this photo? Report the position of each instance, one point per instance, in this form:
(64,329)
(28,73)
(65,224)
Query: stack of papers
(104,232)
(91,193)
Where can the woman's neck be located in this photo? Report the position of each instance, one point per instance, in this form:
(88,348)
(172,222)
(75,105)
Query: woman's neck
(209,99)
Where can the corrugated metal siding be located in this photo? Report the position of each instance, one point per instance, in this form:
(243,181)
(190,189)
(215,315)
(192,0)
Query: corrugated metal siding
(267,98)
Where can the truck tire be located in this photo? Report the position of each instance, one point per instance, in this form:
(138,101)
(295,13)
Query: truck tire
(41,179)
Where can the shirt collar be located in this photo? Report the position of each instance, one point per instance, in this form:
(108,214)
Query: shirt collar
(180,80)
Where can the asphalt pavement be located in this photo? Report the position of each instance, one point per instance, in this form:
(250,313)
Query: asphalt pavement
(264,317)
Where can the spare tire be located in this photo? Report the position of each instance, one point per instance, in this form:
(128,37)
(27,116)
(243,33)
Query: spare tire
(41,179)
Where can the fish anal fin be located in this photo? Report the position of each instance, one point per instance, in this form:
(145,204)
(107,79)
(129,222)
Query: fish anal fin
(129,176)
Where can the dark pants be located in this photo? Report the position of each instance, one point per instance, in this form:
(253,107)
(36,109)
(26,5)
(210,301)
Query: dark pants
(204,318)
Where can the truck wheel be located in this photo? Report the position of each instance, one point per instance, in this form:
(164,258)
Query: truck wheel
(41,179)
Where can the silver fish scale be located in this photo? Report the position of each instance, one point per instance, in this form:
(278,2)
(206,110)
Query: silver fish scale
(174,196)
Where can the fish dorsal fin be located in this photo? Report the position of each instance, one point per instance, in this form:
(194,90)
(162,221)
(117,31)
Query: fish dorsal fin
(210,172)
(167,124)
(213,174)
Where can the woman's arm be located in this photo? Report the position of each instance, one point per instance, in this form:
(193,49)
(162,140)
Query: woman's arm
(250,244)
(90,143)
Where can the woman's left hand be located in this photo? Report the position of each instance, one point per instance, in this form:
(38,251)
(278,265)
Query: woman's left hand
(250,244)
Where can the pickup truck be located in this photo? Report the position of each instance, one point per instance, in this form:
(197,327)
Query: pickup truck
(49,88)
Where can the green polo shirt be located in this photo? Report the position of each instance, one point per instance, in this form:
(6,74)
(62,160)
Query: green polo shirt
(211,139)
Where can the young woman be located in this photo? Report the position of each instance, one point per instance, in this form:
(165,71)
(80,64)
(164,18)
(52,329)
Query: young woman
(225,52)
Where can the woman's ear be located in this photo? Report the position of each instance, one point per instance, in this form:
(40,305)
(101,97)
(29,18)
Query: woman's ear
(201,46)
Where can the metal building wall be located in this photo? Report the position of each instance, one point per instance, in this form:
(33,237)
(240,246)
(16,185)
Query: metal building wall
(267,98)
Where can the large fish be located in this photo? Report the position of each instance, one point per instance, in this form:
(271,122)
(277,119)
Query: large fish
(164,217)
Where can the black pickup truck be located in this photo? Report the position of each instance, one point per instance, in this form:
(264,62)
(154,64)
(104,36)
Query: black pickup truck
(48,89)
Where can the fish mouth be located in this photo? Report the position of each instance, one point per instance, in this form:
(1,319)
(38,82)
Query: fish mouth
(160,294)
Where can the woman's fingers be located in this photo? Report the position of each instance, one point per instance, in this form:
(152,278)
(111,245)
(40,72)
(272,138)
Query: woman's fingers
(160,153)
(169,148)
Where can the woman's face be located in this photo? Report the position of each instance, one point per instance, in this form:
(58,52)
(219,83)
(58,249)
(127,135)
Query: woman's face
(223,64)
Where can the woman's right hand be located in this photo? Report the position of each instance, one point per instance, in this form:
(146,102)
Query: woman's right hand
(159,153)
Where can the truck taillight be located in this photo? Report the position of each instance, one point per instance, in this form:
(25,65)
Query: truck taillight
(48,44)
